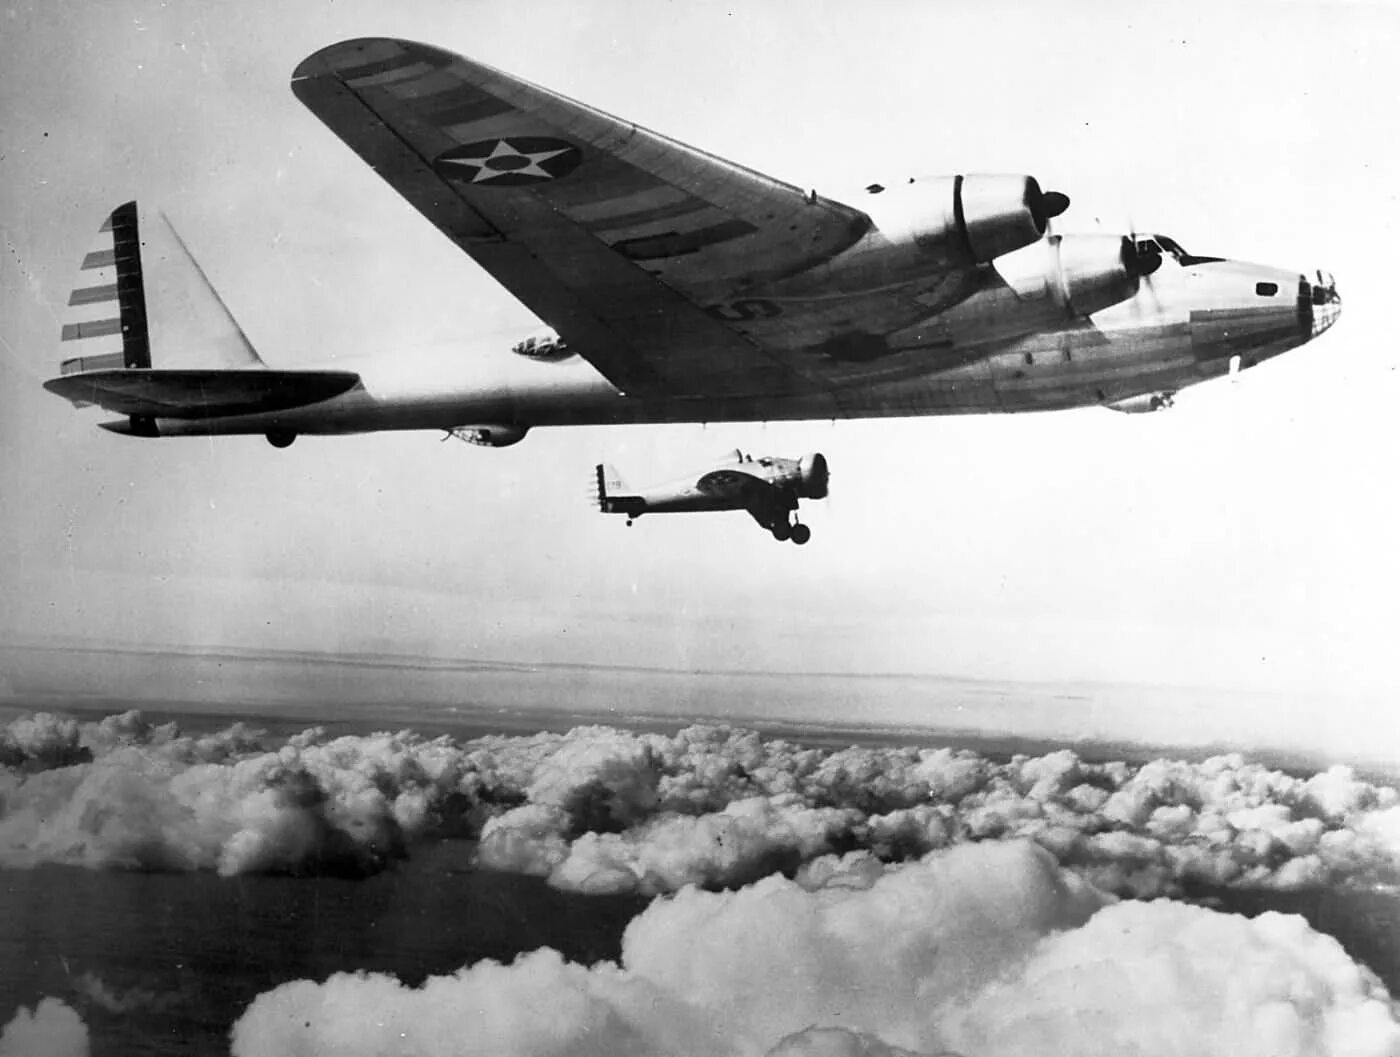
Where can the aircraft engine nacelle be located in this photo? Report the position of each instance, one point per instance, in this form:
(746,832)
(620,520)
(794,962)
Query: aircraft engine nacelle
(974,218)
(998,214)
(1080,274)
(1144,404)
(492,436)
(813,477)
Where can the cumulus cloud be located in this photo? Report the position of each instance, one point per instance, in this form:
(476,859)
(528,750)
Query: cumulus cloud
(1196,982)
(50,1029)
(836,1042)
(605,810)
(989,949)
(883,902)
(41,741)
(122,1000)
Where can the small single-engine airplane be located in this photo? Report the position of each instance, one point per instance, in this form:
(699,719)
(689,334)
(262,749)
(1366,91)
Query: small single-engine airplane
(767,487)
(676,286)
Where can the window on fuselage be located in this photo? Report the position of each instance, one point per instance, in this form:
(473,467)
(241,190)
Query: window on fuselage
(1266,289)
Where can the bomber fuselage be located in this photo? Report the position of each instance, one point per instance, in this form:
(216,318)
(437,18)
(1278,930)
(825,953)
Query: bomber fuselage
(1009,345)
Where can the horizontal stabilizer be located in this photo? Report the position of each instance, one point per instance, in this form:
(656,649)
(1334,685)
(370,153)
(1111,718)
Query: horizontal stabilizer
(196,394)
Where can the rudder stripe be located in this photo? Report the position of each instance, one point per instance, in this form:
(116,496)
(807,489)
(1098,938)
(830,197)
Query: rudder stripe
(91,295)
(131,294)
(96,328)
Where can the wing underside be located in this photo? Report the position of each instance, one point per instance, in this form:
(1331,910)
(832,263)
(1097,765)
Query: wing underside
(628,243)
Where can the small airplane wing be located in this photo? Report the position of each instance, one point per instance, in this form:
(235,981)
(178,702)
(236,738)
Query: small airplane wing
(729,484)
(626,242)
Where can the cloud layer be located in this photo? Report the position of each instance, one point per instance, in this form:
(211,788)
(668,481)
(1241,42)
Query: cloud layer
(988,949)
(50,1029)
(857,903)
(604,810)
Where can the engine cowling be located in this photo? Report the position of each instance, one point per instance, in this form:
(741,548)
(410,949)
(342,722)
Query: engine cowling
(1081,274)
(969,219)
(813,476)
(545,346)
(492,436)
(1144,404)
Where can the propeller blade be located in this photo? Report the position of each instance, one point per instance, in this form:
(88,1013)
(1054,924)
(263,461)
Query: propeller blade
(1137,260)
(1046,205)
(1053,203)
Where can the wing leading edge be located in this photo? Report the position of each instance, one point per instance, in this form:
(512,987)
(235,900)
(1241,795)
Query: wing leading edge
(618,237)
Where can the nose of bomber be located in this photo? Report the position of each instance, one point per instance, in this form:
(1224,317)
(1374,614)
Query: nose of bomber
(1319,304)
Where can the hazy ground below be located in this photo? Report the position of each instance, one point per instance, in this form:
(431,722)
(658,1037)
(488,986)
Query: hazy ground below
(362,692)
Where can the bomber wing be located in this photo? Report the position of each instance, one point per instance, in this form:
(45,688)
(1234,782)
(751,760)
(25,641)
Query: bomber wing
(618,237)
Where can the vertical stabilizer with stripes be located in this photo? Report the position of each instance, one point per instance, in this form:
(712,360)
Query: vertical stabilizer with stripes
(105,325)
(146,336)
(607,488)
(142,301)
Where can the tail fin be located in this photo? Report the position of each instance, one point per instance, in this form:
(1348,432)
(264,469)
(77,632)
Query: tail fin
(148,337)
(105,326)
(609,488)
(142,301)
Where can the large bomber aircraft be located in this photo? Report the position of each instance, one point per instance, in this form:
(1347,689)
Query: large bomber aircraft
(676,286)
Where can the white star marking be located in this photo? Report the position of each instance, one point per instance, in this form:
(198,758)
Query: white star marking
(504,150)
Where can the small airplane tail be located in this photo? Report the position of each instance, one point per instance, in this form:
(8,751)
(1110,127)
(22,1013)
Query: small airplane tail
(612,495)
(607,486)
(146,335)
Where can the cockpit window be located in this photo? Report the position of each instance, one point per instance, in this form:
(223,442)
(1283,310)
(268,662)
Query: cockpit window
(1171,246)
(1179,253)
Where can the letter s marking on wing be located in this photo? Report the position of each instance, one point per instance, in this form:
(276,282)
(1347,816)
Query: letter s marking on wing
(745,310)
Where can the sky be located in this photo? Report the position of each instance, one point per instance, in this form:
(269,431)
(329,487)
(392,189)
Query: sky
(1243,542)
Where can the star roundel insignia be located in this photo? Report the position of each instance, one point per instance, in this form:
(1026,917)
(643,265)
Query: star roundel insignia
(509,162)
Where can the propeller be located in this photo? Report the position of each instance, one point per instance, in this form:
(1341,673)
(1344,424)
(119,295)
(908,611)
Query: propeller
(1046,206)
(1140,259)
